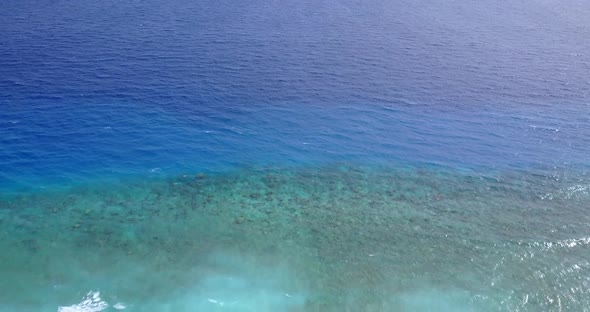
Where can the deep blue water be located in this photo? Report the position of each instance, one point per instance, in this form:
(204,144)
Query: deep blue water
(117,87)
(94,91)
(45,142)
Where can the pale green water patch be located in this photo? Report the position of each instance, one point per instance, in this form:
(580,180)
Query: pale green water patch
(308,239)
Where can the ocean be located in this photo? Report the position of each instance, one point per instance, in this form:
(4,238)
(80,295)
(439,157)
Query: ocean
(331,155)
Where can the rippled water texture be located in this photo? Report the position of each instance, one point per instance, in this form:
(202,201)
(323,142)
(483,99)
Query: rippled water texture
(321,239)
(297,155)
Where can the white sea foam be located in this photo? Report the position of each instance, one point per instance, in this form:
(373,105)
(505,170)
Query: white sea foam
(92,302)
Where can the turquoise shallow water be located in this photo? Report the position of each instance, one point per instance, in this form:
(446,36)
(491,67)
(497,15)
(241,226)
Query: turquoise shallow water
(332,238)
(325,155)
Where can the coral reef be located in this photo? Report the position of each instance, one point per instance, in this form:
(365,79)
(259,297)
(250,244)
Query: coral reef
(345,237)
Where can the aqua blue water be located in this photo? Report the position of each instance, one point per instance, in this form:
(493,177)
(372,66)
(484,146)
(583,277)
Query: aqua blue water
(294,156)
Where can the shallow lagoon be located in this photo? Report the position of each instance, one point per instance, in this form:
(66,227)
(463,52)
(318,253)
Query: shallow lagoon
(332,238)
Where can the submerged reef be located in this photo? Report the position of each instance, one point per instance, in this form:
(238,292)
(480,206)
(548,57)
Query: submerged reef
(351,238)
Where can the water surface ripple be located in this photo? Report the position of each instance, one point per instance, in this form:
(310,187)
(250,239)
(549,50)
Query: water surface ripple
(331,155)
